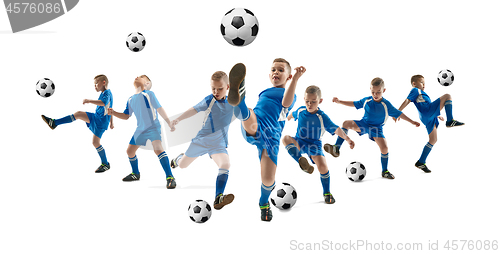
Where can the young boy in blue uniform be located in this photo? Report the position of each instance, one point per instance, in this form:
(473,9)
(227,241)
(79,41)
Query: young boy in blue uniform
(262,125)
(146,108)
(377,111)
(313,123)
(213,136)
(97,122)
(429,113)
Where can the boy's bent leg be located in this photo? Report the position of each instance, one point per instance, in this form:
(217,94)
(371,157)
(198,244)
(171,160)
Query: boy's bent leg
(335,149)
(81,115)
(292,147)
(251,125)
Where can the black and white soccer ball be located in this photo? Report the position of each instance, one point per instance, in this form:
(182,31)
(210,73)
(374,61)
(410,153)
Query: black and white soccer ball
(136,41)
(355,171)
(199,211)
(45,87)
(239,27)
(446,77)
(284,196)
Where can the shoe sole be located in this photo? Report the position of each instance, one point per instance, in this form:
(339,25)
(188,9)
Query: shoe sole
(228,199)
(236,76)
(45,120)
(451,126)
(329,149)
(304,164)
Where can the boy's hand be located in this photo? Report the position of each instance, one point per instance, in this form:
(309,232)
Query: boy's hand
(110,112)
(111,125)
(417,124)
(336,100)
(441,118)
(289,117)
(396,119)
(351,143)
(86,101)
(173,124)
(298,72)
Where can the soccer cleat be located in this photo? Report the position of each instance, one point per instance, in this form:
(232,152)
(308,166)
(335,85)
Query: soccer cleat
(454,123)
(387,174)
(171,184)
(265,212)
(422,166)
(173,163)
(329,198)
(222,200)
(103,168)
(132,177)
(50,122)
(304,165)
(236,84)
(334,150)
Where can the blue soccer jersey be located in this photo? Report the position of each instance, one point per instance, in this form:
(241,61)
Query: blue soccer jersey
(270,112)
(376,113)
(428,110)
(144,106)
(102,118)
(219,115)
(313,126)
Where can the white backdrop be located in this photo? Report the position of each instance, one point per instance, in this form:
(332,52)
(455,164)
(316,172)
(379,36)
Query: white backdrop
(52,201)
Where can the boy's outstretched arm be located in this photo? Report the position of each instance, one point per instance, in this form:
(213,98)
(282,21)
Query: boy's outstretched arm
(111,125)
(345,103)
(122,116)
(344,136)
(96,102)
(404,117)
(403,106)
(290,91)
(163,114)
(187,114)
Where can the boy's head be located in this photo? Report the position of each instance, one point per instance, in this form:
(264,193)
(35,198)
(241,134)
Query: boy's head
(219,84)
(312,98)
(100,83)
(418,81)
(378,88)
(281,72)
(140,82)
(148,84)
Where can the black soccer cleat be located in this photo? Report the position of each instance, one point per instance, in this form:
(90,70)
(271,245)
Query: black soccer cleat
(387,174)
(103,168)
(334,150)
(454,123)
(236,84)
(50,122)
(329,198)
(304,165)
(422,166)
(173,163)
(265,212)
(171,184)
(223,200)
(132,177)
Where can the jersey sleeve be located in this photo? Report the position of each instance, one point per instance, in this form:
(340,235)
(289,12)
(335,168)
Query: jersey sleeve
(359,104)
(295,113)
(202,105)
(413,95)
(394,112)
(329,125)
(128,109)
(154,100)
(106,97)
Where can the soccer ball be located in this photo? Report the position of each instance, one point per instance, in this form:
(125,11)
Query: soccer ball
(355,171)
(284,197)
(136,41)
(45,87)
(239,27)
(446,77)
(199,211)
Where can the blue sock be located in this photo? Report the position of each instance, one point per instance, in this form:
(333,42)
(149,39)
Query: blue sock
(241,111)
(425,152)
(165,164)
(385,160)
(135,164)
(102,154)
(340,140)
(220,183)
(293,151)
(325,181)
(448,109)
(66,119)
(265,192)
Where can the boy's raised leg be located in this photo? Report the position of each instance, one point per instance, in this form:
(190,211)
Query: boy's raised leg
(447,103)
(236,98)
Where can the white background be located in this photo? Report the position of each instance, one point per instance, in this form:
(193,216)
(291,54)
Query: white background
(53,202)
